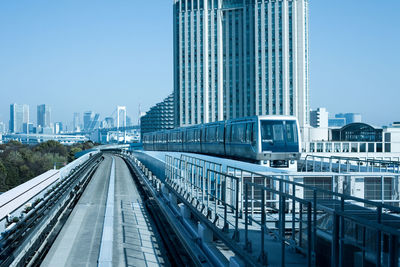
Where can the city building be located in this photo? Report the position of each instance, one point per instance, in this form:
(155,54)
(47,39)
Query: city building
(350,117)
(159,117)
(43,116)
(319,123)
(58,127)
(108,122)
(319,118)
(47,130)
(240,58)
(19,114)
(357,140)
(128,121)
(90,121)
(2,127)
(336,122)
(33,139)
(76,122)
(87,119)
(28,128)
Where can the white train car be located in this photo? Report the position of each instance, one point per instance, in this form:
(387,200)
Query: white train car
(268,140)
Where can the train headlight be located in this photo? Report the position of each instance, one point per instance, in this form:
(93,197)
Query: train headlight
(292,162)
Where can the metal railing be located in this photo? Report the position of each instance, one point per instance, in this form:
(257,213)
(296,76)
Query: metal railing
(219,195)
(313,163)
(301,222)
(212,191)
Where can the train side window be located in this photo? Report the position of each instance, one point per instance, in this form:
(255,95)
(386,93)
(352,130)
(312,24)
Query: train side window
(291,131)
(191,136)
(248,132)
(228,133)
(213,134)
(239,132)
(255,132)
(242,133)
(235,134)
(220,134)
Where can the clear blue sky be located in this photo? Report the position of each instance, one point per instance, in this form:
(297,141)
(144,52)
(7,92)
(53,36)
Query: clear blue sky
(80,55)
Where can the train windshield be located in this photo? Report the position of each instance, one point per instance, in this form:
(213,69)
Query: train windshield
(279,136)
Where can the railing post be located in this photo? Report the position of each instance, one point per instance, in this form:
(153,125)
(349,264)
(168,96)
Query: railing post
(393,251)
(263,257)
(246,220)
(378,237)
(314,234)
(293,213)
(252,195)
(283,228)
(335,240)
(208,187)
(226,225)
(313,159)
(382,190)
(310,256)
(306,162)
(300,224)
(237,238)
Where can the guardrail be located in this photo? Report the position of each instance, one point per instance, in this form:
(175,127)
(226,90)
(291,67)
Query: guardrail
(314,163)
(66,170)
(24,238)
(312,216)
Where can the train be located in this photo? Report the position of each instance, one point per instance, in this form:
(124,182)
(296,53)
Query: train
(268,140)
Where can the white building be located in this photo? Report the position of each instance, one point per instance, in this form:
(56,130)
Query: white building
(235,58)
(358,140)
(319,118)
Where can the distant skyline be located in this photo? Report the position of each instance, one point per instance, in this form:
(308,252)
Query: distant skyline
(77,56)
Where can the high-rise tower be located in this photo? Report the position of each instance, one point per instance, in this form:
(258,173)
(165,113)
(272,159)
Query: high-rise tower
(19,114)
(237,58)
(43,116)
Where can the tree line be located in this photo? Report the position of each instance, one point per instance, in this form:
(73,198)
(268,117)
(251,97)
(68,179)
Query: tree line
(20,163)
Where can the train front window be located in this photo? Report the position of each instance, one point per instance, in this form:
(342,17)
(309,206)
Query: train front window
(272,131)
(279,136)
(291,131)
(272,136)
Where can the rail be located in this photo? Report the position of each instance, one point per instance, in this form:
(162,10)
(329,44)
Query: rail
(348,164)
(336,214)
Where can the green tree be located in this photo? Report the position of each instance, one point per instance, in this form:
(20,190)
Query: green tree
(3,176)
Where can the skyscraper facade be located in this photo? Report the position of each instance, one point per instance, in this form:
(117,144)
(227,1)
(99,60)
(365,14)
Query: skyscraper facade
(237,58)
(19,114)
(43,116)
(76,121)
(159,117)
(87,119)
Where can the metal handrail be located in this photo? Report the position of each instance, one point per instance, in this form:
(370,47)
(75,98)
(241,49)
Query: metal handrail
(309,187)
(313,206)
(394,164)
